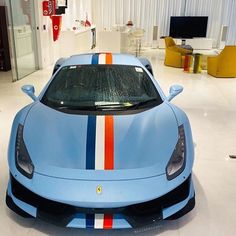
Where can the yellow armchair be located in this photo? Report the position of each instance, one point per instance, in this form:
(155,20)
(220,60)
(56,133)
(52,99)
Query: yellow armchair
(224,64)
(174,54)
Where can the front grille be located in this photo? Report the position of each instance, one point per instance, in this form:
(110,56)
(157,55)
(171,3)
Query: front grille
(137,215)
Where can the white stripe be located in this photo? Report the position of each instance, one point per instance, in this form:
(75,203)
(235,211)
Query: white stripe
(102,59)
(100,143)
(98,221)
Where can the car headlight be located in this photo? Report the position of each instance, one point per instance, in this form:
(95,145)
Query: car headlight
(176,163)
(23,161)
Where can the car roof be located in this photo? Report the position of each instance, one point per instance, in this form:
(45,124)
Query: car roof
(117,59)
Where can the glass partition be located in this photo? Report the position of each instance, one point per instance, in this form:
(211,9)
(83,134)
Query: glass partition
(24,38)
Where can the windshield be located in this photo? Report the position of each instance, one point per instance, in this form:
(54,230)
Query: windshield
(101,88)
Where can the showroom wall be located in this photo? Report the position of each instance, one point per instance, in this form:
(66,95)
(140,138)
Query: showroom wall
(220,12)
(77,10)
(146,13)
(50,51)
(143,13)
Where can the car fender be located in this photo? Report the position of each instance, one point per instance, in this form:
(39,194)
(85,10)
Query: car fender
(19,119)
(182,118)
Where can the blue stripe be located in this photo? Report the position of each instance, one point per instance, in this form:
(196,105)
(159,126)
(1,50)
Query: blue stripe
(90,221)
(90,144)
(95,59)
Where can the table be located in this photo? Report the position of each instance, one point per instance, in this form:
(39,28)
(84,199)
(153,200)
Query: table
(206,54)
(192,63)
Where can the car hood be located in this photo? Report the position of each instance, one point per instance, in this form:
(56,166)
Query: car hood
(57,143)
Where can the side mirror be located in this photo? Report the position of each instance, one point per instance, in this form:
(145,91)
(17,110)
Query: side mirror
(174,91)
(29,90)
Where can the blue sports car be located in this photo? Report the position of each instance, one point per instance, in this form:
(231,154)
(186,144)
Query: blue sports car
(101,147)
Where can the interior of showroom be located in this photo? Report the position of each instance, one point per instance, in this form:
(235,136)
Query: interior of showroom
(187,45)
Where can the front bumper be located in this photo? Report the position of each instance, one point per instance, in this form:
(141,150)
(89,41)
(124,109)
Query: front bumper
(174,204)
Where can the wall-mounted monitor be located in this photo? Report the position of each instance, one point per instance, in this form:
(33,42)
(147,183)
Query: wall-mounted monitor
(188,26)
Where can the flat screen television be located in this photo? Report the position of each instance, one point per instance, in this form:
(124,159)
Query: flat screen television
(188,26)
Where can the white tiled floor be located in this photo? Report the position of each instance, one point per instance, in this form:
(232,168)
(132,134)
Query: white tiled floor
(211,106)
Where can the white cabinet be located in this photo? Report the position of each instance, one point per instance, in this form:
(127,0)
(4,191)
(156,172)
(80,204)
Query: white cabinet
(74,42)
(113,41)
(200,43)
(23,38)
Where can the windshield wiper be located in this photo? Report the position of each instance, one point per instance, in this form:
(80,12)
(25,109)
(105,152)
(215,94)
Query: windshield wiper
(89,108)
(126,106)
(112,106)
(93,108)
(143,103)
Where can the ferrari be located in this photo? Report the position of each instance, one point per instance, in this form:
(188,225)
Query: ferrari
(101,147)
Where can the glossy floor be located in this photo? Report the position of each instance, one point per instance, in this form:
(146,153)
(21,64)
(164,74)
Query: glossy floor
(211,106)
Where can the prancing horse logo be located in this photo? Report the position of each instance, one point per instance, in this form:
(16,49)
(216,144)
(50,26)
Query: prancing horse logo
(99,189)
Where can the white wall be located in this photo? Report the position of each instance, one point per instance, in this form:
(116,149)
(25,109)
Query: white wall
(219,12)
(49,51)
(77,10)
(146,13)
(45,42)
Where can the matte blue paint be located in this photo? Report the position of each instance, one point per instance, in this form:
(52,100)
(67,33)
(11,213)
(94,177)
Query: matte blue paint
(117,193)
(119,222)
(91,141)
(79,221)
(31,210)
(147,131)
(58,146)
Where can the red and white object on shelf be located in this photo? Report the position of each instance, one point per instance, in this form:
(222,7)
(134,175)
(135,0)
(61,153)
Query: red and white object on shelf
(54,9)
(49,7)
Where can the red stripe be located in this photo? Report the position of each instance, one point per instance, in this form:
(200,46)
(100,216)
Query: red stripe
(107,223)
(109,143)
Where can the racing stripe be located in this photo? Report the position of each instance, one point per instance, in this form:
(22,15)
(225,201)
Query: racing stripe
(98,221)
(90,144)
(100,137)
(104,148)
(108,58)
(90,221)
(95,59)
(108,220)
(102,58)
(109,143)
(100,132)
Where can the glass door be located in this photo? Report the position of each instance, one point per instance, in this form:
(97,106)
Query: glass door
(24,38)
